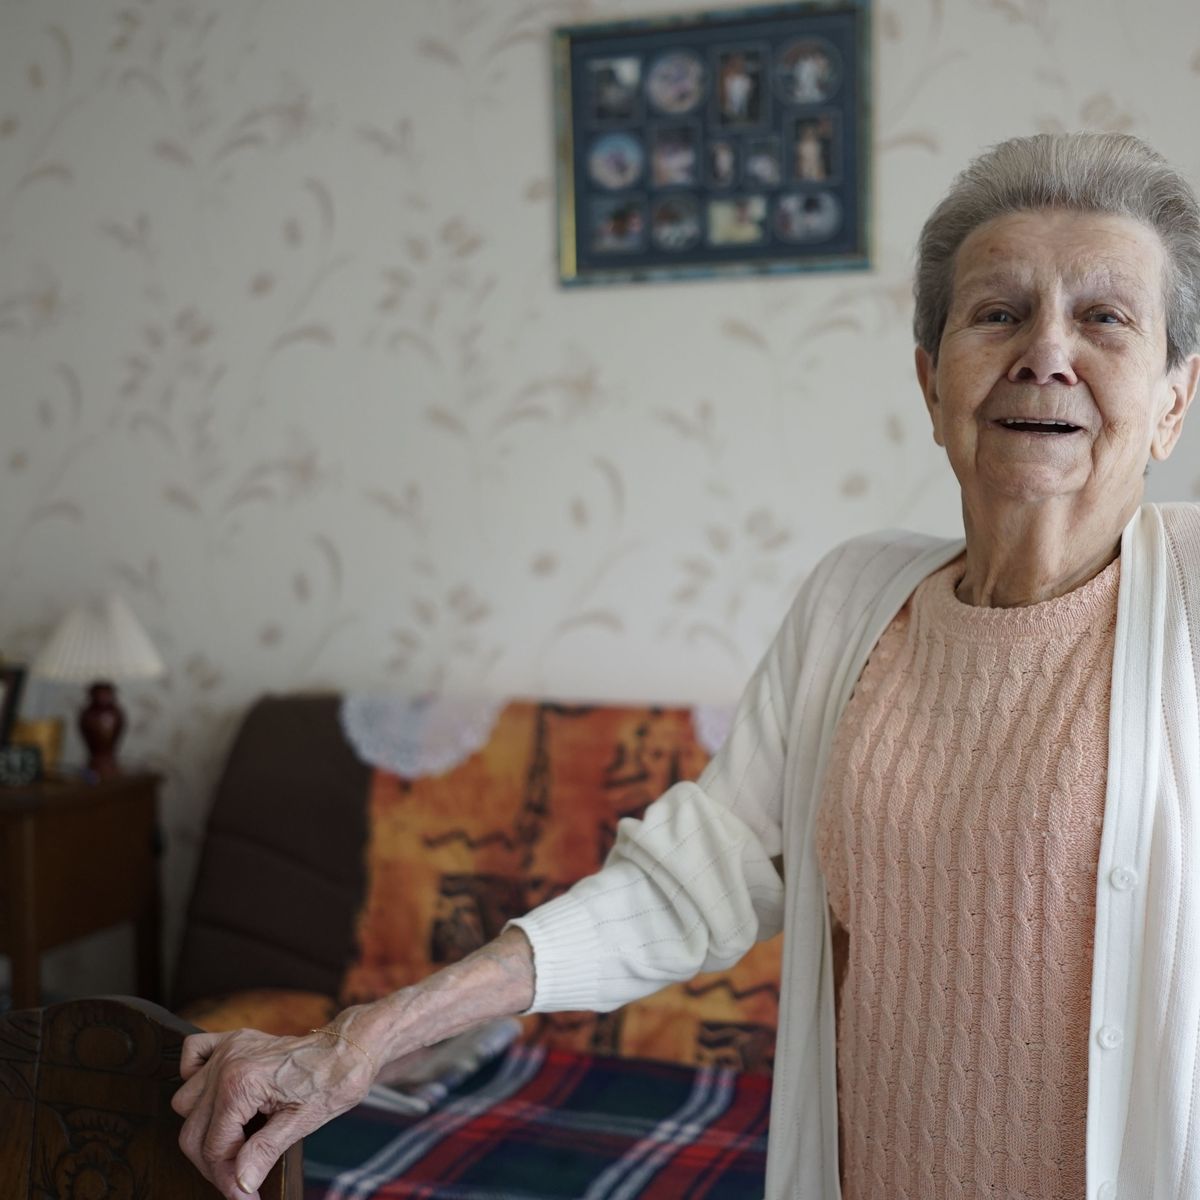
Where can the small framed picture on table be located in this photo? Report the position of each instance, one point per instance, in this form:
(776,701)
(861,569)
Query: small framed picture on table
(12,680)
(717,143)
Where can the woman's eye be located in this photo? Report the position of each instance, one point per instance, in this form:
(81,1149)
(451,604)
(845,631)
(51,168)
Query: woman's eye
(1104,316)
(996,316)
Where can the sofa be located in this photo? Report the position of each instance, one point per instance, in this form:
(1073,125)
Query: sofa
(356,844)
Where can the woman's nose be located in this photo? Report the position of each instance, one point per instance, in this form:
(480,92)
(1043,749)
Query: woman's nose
(1045,356)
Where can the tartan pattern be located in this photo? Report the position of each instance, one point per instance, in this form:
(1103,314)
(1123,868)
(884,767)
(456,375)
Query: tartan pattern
(546,1124)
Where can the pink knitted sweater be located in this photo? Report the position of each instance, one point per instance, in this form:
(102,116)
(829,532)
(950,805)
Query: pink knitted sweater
(959,833)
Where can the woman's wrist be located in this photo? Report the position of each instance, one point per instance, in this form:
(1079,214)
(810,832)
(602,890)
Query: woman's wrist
(496,980)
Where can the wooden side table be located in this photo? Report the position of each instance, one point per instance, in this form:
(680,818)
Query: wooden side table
(77,857)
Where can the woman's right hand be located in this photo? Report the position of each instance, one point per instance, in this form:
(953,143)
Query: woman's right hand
(299,1083)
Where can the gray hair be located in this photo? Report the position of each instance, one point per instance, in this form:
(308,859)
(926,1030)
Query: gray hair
(1081,172)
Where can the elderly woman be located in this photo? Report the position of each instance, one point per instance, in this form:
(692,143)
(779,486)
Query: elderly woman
(964,780)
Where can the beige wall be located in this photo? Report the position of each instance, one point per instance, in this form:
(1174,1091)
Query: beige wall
(284,361)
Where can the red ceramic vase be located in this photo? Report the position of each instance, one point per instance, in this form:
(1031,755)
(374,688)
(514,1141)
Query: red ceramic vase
(101,723)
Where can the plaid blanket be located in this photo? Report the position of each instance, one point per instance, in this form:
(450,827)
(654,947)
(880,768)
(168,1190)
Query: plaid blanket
(540,1124)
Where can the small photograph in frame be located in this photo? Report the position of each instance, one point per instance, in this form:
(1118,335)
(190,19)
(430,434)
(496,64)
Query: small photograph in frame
(807,216)
(738,221)
(616,161)
(675,156)
(675,222)
(618,225)
(705,144)
(675,82)
(814,151)
(764,167)
(808,71)
(12,680)
(615,88)
(722,162)
(740,96)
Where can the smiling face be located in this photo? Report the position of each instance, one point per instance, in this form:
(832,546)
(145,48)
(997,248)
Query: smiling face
(1056,316)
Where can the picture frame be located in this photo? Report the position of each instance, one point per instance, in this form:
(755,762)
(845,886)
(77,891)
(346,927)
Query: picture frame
(709,144)
(12,681)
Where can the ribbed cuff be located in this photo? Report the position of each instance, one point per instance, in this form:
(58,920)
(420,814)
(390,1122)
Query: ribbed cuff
(566,955)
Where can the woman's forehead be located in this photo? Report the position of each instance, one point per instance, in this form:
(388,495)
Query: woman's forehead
(1099,250)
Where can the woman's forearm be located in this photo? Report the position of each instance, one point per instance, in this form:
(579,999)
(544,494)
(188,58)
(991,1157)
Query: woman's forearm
(497,980)
(302,1082)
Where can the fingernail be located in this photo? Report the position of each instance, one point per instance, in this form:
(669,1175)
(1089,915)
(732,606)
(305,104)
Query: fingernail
(244,1185)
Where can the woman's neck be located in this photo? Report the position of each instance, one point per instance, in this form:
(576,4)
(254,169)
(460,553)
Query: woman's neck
(1017,563)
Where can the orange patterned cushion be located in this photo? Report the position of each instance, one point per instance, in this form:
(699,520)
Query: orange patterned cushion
(452,857)
(273,1010)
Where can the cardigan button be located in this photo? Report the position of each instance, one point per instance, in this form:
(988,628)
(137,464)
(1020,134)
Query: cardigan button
(1107,1191)
(1123,878)
(1109,1036)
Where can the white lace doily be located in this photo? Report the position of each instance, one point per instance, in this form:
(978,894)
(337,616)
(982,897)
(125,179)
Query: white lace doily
(712,724)
(429,735)
(415,736)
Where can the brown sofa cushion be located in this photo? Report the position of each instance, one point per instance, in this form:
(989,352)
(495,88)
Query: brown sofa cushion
(281,875)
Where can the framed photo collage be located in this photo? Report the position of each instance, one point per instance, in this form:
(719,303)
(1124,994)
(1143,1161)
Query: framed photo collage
(715,143)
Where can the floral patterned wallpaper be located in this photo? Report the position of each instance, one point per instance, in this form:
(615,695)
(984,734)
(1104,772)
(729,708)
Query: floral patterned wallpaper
(284,360)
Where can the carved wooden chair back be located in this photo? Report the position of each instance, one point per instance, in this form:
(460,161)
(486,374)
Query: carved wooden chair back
(85,1106)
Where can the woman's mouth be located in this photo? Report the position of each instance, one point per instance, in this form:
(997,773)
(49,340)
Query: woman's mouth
(1038,427)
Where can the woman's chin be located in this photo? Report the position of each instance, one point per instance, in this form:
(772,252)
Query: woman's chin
(1029,484)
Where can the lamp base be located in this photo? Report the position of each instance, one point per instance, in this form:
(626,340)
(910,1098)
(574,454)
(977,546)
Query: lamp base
(101,724)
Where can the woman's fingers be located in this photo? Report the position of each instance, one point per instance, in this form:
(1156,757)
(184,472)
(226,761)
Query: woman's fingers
(224,1141)
(265,1148)
(195,1127)
(197,1048)
(212,1135)
(186,1098)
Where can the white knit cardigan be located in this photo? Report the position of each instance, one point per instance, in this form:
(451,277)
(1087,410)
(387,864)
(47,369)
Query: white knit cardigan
(691,886)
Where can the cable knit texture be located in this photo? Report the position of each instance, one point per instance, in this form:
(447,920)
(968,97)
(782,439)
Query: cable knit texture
(661,907)
(959,833)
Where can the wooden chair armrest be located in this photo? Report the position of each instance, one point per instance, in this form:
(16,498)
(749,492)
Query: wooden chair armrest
(85,1105)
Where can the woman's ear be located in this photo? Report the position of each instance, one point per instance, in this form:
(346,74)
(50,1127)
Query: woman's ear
(927,378)
(1181,383)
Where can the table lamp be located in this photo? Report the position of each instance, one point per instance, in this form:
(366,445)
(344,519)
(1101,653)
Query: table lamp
(97,643)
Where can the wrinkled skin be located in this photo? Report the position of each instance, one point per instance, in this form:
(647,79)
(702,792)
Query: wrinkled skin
(300,1083)
(230,1077)
(1059,315)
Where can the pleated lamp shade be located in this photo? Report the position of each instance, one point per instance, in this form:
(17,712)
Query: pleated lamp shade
(98,640)
(98,643)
